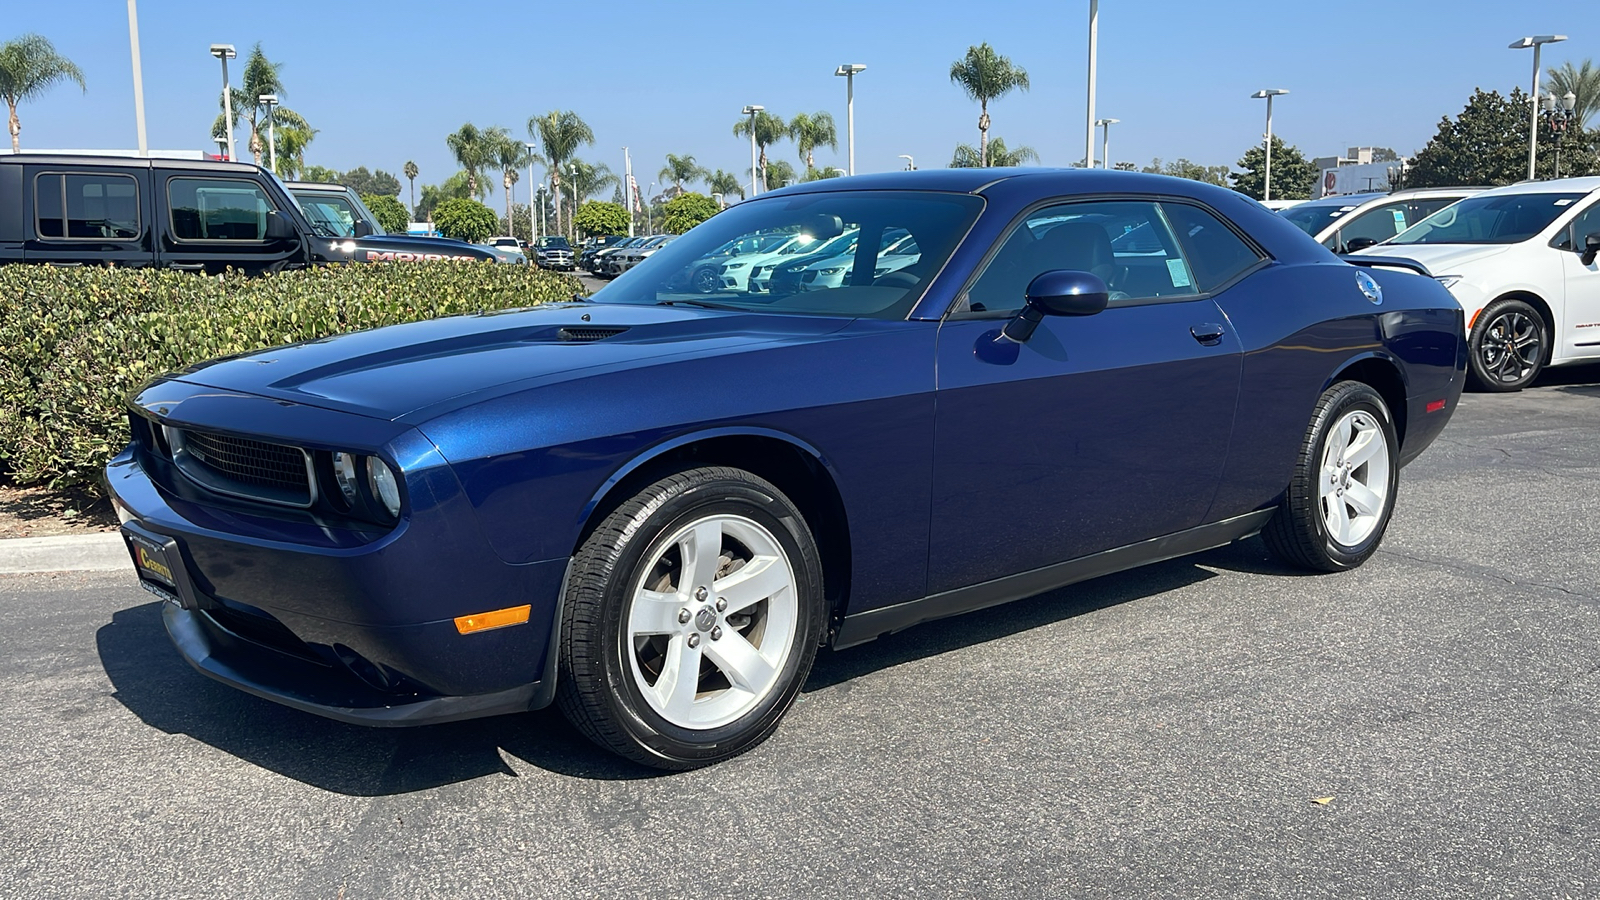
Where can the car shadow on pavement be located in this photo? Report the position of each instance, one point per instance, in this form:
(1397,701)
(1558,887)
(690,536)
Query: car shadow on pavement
(1586,375)
(155,684)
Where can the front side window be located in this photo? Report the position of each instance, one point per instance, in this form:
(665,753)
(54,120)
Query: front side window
(330,214)
(218,209)
(1586,223)
(1376,224)
(1492,219)
(88,206)
(1127,243)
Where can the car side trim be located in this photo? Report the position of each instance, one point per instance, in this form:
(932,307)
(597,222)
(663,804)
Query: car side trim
(871,624)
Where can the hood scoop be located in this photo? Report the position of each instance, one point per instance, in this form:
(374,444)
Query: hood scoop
(587,334)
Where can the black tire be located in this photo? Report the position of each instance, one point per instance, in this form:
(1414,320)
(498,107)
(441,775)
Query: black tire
(1508,347)
(706,280)
(1298,534)
(597,687)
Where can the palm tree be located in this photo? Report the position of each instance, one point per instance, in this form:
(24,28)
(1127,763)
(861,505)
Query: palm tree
(585,180)
(769,130)
(968,158)
(724,183)
(411,176)
(474,149)
(680,169)
(29,66)
(1584,83)
(293,134)
(811,132)
(560,134)
(260,77)
(510,155)
(777,174)
(986,75)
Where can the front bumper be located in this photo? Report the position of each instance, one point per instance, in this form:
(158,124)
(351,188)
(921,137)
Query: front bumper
(350,626)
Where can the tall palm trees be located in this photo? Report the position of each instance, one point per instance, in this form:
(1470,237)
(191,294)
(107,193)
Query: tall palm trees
(29,66)
(560,134)
(968,158)
(985,75)
(811,132)
(261,76)
(724,183)
(680,169)
(411,175)
(769,130)
(474,150)
(1584,83)
(510,155)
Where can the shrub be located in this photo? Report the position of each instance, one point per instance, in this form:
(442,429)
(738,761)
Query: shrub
(465,220)
(596,217)
(685,211)
(390,213)
(75,343)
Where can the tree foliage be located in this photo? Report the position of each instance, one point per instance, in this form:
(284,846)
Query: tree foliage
(1183,168)
(810,131)
(1487,143)
(769,130)
(559,134)
(465,219)
(599,218)
(986,75)
(681,169)
(725,183)
(390,212)
(363,182)
(966,157)
(29,66)
(262,76)
(1583,81)
(475,150)
(686,211)
(1293,176)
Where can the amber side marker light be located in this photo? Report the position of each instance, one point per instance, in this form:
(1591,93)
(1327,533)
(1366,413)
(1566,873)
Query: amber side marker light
(500,618)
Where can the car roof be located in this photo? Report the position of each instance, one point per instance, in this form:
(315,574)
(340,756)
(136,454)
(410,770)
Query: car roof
(1586,184)
(315,186)
(133,162)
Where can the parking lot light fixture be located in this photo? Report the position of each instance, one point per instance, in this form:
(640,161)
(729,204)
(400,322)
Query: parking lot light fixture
(226,52)
(1266,181)
(911,164)
(222,144)
(270,101)
(755,179)
(1536,41)
(533,221)
(1105,140)
(848,71)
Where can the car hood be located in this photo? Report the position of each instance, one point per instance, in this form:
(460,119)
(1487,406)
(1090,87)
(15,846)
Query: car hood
(1439,258)
(422,369)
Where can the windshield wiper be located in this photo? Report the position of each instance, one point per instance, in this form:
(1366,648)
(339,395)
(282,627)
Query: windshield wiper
(703,304)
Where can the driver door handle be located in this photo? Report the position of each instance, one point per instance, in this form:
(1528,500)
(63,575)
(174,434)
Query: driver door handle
(1208,333)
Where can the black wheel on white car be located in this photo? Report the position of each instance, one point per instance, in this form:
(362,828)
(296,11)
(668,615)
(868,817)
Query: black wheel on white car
(693,614)
(1507,346)
(1337,506)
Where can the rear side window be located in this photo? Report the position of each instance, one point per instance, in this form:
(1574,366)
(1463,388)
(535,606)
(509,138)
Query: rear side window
(1216,254)
(218,209)
(89,206)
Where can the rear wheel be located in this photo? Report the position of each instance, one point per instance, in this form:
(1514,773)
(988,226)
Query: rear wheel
(1338,504)
(706,280)
(1508,346)
(693,614)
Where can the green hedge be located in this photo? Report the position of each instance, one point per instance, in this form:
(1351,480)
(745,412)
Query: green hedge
(75,343)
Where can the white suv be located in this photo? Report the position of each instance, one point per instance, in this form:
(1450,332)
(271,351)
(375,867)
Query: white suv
(1521,261)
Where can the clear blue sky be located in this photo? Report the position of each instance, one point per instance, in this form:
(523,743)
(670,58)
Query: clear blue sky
(386,81)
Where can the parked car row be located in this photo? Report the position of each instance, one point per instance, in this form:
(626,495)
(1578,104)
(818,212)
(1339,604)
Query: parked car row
(611,260)
(1520,259)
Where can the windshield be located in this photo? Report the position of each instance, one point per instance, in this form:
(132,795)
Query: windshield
(1317,215)
(554,243)
(856,227)
(1503,219)
(335,215)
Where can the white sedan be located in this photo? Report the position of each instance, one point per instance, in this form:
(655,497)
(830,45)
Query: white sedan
(1521,260)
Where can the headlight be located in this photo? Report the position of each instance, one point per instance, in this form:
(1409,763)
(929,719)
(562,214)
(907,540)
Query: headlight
(1447,281)
(833,271)
(344,472)
(734,265)
(381,479)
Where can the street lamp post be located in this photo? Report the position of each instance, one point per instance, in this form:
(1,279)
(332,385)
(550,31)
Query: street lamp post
(627,191)
(1105,140)
(1558,115)
(848,72)
(535,190)
(222,143)
(649,223)
(911,164)
(138,75)
(1536,42)
(572,188)
(755,180)
(1266,183)
(1094,48)
(226,52)
(270,101)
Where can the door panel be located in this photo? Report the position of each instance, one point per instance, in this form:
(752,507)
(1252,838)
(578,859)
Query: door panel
(1580,335)
(211,223)
(79,217)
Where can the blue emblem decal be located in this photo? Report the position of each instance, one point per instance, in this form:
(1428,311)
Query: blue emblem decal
(1369,287)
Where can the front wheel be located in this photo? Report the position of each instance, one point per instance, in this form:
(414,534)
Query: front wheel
(693,614)
(1508,347)
(1338,503)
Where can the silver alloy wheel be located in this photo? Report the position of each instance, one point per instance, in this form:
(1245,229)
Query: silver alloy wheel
(1354,482)
(1511,347)
(712,621)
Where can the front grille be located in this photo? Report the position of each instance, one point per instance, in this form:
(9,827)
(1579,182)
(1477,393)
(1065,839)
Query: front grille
(244,467)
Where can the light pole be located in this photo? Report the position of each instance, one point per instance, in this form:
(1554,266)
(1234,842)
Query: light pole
(226,52)
(1268,93)
(848,72)
(1105,140)
(911,164)
(649,224)
(1536,42)
(718,197)
(270,101)
(1094,47)
(627,191)
(755,179)
(1559,118)
(534,190)
(572,188)
(138,75)
(222,143)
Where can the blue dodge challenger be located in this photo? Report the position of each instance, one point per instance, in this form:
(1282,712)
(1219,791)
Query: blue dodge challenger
(946,390)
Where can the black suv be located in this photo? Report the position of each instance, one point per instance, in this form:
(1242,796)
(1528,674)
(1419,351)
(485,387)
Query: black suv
(193,215)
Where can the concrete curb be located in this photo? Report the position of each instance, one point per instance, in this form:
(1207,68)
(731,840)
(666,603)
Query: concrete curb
(65,553)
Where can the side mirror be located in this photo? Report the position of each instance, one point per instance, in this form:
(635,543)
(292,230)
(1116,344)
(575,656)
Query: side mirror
(279,228)
(1591,248)
(1360,243)
(1059,292)
(362,228)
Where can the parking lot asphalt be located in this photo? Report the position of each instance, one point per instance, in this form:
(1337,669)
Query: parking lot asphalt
(1164,732)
